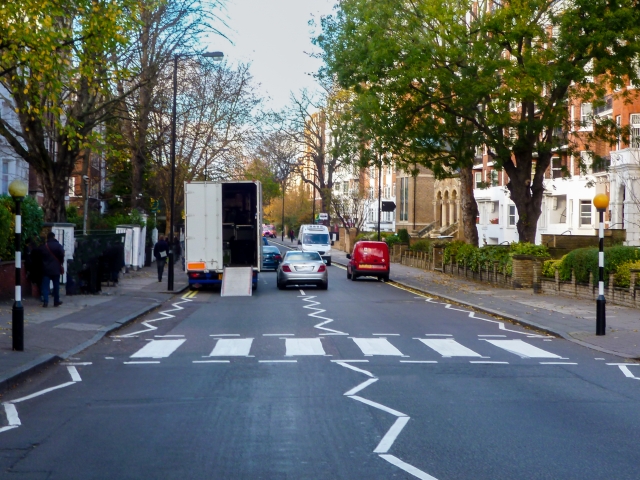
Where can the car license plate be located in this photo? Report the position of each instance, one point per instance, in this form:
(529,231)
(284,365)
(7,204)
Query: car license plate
(304,269)
(366,265)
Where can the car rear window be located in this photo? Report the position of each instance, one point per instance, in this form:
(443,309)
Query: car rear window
(303,257)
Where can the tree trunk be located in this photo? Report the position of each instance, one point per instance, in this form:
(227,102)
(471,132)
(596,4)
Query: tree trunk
(54,187)
(469,206)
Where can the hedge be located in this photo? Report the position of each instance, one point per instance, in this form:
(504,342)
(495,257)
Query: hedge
(474,257)
(32,220)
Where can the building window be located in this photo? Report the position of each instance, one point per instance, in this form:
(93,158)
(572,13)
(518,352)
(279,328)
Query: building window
(585,212)
(72,186)
(586,116)
(618,124)
(556,167)
(4,180)
(478,179)
(394,190)
(634,125)
(512,215)
(404,199)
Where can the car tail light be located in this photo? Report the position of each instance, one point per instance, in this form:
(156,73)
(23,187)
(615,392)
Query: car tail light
(277,257)
(322,268)
(285,268)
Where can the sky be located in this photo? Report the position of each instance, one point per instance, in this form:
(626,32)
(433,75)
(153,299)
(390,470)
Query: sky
(274,36)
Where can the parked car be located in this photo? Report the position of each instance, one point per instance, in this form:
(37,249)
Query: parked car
(269,231)
(369,259)
(302,268)
(271,257)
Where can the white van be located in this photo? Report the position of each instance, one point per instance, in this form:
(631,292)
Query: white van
(315,238)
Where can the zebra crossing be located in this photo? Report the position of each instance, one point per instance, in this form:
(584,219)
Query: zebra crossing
(437,349)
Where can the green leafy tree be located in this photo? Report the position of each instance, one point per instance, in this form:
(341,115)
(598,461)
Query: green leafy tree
(58,76)
(449,76)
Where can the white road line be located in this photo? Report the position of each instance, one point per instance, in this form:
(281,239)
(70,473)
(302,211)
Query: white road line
(598,358)
(141,362)
(362,386)
(278,334)
(418,361)
(483,361)
(277,361)
(316,314)
(75,363)
(352,361)
(166,314)
(492,335)
(168,336)
(236,347)
(108,358)
(303,346)
(12,414)
(225,335)
(379,406)
(387,441)
(75,376)
(355,369)
(211,361)
(448,347)
(557,363)
(386,334)
(437,335)
(158,349)
(302,293)
(376,346)
(626,371)
(10,427)
(522,349)
(407,467)
(42,392)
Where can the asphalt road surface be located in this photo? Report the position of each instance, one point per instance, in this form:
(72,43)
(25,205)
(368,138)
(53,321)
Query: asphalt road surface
(363,381)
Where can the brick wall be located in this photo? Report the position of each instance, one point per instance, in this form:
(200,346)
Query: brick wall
(8,280)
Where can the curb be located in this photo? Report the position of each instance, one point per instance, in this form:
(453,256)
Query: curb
(513,319)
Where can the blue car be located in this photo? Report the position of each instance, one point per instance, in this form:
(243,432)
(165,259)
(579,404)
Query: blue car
(271,258)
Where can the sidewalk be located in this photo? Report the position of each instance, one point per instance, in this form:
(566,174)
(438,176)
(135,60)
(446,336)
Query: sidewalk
(570,318)
(55,333)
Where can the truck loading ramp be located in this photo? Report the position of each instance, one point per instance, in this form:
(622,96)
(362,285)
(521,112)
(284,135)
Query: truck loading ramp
(236,282)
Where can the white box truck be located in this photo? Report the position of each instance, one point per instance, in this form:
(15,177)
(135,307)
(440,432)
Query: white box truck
(223,229)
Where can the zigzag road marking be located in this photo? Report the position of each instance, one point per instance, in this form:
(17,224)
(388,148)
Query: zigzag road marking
(10,410)
(166,314)
(473,315)
(317,313)
(389,438)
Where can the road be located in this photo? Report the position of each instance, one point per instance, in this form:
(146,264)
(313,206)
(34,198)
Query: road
(363,381)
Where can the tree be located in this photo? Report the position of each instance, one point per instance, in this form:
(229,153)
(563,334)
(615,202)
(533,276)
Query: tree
(504,72)
(351,207)
(57,76)
(164,29)
(215,118)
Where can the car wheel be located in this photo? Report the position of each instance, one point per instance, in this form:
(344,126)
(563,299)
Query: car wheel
(281,286)
(348,275)
(385,278)
(192,287)
(353,277)
(328,262)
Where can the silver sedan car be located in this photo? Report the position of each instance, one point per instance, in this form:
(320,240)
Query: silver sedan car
(302,268)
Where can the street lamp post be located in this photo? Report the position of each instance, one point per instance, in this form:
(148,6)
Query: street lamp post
(601,202)
(86,204)
(18,190)
(379,193)
(216,56)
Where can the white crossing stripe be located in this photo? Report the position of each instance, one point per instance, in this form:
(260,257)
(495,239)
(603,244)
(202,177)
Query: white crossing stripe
(158,348)
(376,346)
(523,349)
(303,346)
(232,347)
(448,347)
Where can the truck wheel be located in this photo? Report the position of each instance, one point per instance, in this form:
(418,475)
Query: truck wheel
(254,286)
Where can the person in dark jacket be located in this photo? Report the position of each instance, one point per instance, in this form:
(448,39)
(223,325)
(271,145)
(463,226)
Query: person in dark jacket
(52,261)
(161,252)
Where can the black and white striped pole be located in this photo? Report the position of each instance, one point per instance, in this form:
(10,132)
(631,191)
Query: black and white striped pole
(601,202)
(18,190)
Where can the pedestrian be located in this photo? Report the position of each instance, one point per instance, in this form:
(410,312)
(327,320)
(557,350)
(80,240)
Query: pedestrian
(52,267)
(291,235)
(161,252)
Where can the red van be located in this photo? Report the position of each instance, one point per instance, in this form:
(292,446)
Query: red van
(369,259)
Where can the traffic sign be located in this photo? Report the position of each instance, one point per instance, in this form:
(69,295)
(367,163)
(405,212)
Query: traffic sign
(388,206)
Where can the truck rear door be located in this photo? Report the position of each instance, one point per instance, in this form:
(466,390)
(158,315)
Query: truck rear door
(203,226)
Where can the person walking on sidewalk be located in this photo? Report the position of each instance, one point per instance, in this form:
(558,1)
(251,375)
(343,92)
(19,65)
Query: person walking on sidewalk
(291,235)
(52,267)
(161,252)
